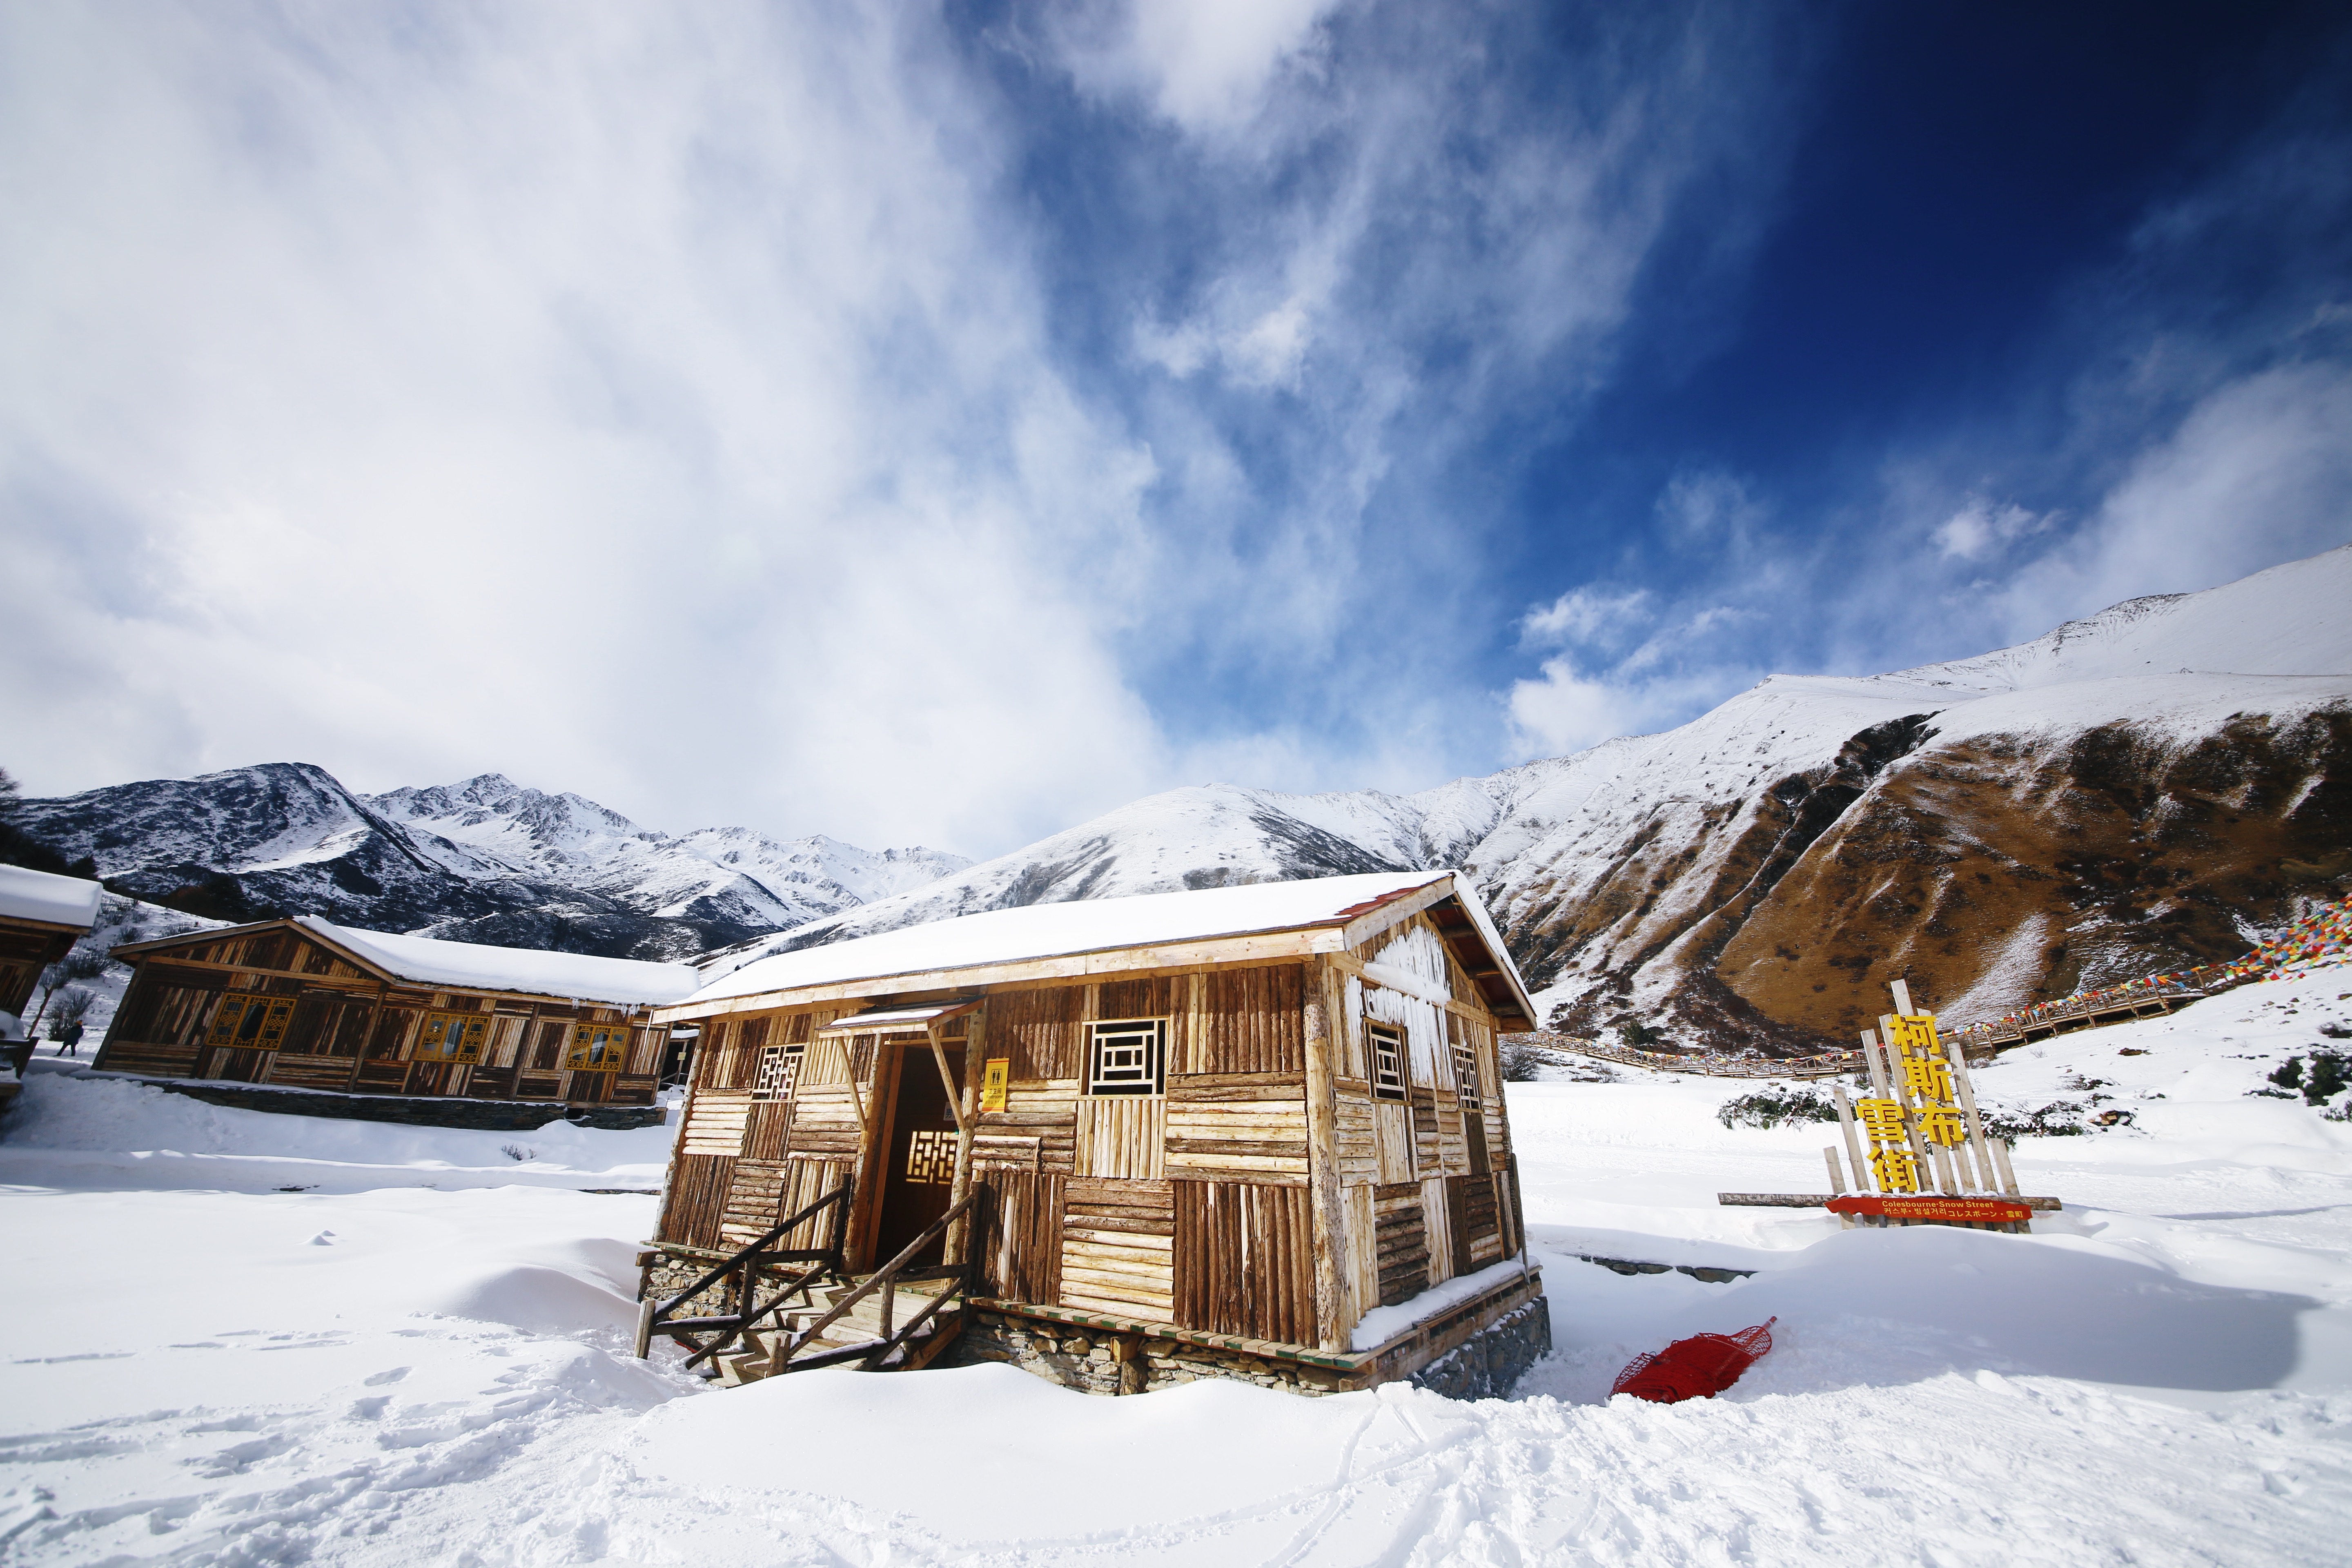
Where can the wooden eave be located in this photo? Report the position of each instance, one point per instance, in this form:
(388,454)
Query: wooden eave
(51,928)
(1345,929)
(138,950)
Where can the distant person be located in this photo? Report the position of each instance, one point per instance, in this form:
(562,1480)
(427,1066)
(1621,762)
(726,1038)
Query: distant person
(72,1039)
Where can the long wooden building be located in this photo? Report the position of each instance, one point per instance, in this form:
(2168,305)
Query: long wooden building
(304,1003)
(42,915)
(1253,1131)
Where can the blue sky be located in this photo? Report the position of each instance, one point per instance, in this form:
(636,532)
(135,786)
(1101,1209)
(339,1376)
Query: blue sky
(942,425)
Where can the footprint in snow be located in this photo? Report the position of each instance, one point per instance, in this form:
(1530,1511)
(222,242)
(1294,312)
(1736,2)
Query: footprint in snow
(324,1238)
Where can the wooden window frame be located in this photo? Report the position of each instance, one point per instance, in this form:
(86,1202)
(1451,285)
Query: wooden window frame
(1469,1092)
(780,1071)
(1390,1075)
(472,1032)
(580,1053)
(1100,1085)
(226,1029)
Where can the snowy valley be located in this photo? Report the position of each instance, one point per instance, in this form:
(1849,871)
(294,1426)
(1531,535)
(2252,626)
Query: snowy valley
(388,1346)
(2137,791)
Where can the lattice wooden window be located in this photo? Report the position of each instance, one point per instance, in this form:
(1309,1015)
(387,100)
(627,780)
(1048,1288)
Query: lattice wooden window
(1127,1058)
(452,1037)
(1388,1060)
(780,1070)
(1466,1076)
(598,1048)
(251,1021)
(930,1157)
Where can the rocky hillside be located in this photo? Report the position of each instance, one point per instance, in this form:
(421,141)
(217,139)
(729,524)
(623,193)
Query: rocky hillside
(484,860)
(2131,792)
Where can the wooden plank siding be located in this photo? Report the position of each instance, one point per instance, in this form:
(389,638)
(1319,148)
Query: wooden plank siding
(1124,1135)
(1244,1260)
(715,1118)
(754,1201)
(698,1198)
(1254,1020)
(1401,1242)
(1117,1242)
(1038,1031)
(1020,1246)
(1238,1127)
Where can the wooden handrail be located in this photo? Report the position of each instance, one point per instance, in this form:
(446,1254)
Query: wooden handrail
(958,1277)
(824,1259)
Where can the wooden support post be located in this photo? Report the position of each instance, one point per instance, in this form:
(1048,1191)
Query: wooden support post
(1861,1182)
(947,1081)
(958,1240)
(1903,1097)
(1837,1177)
(2000,1159)
(367,1037)
(1333,1321)
(1958,1058)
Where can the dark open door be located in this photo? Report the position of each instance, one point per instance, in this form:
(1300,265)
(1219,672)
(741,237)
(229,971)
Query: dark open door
(920,1173)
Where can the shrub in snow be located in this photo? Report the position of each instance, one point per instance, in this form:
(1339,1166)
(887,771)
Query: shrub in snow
(1771,1107)
(1522,1061)
(519,1152)
(2326,1080)
(2062,1119)
(1636,1036)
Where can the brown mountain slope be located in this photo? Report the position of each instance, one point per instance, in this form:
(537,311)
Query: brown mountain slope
(2000,869)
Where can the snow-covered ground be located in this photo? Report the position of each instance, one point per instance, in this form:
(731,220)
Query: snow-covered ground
(421,1357)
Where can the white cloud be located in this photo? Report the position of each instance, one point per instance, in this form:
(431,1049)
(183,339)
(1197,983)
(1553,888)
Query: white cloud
(1584,616)
(648,407)
(1204,64)
(1711,509)
(1567,709)
(2258,471)
(1980,527)
(672,406)
(1597,688)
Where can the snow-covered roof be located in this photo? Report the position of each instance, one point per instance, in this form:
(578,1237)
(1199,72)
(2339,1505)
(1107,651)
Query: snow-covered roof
(888,1020)
(1083,925)
(29,895)
(479,966)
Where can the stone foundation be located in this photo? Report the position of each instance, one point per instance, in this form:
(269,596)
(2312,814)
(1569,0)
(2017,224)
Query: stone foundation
(1488,1364)
(1100,1361)
(431,1110)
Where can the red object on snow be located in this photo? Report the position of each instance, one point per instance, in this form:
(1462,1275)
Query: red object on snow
(1701,1366)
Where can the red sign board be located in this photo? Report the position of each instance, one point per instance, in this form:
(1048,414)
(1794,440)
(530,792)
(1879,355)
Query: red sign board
(1963,1211)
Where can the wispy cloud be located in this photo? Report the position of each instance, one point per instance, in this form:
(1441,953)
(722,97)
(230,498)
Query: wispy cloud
(699,409)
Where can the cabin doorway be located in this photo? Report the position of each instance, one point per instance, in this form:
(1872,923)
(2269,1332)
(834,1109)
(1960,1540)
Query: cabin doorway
(919,1174)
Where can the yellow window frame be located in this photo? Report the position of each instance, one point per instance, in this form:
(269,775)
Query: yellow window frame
(599,1047)
(234,1022)
(452,1037)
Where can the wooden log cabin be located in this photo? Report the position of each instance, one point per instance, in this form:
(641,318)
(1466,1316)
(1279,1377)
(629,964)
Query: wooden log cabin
(1241,1131)
(42,915)
(303,1004)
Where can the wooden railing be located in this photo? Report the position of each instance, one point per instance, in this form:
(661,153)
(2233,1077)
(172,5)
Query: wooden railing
(1830,1065)
(725,1329)
(957,1277)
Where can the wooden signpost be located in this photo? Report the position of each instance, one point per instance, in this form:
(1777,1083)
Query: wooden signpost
(1917,1134)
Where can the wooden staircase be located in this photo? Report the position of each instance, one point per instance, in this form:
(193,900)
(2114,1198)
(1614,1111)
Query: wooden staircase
(806,1324)
(849,1338)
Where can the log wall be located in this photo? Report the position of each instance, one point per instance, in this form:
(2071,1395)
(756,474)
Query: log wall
(1193,1207)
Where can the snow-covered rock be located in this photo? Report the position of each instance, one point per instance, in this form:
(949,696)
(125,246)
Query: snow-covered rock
(483,861)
